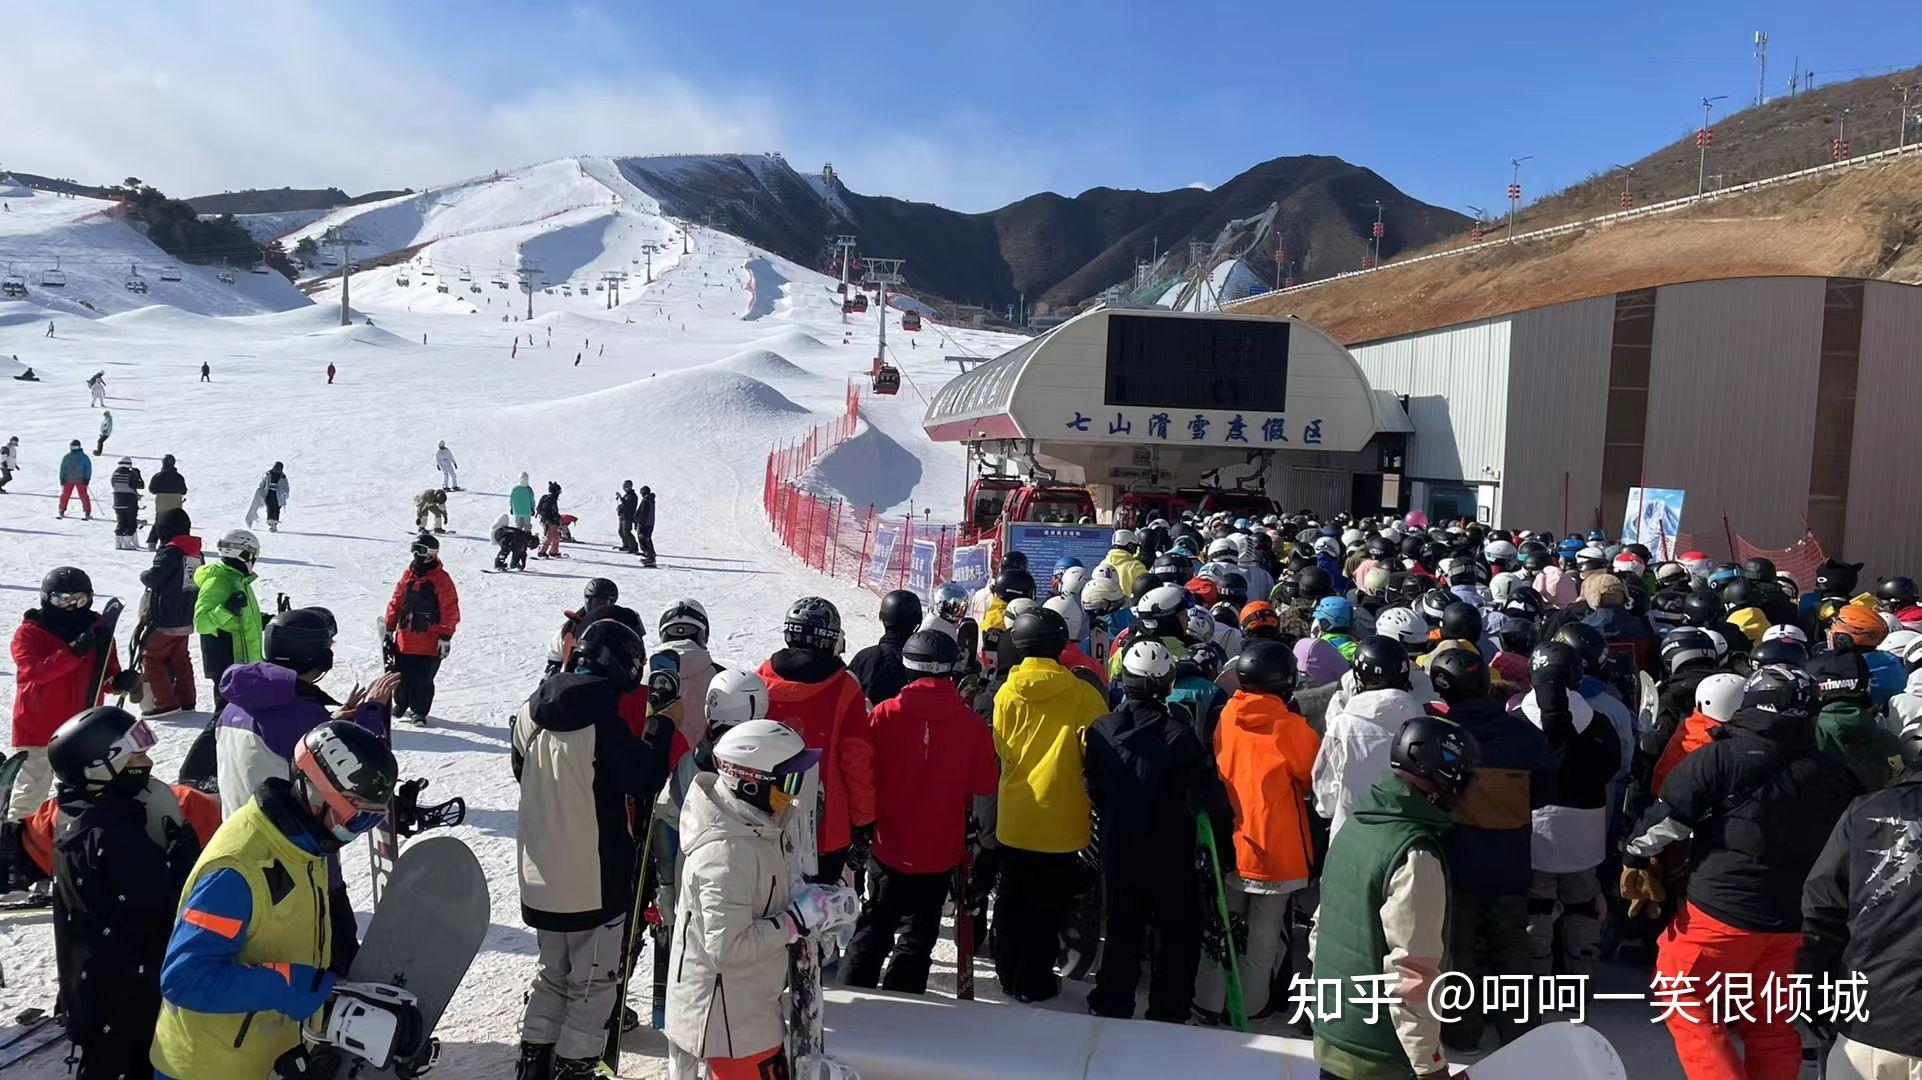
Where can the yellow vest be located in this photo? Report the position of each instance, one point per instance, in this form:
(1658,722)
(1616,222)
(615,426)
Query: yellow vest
(214,1046)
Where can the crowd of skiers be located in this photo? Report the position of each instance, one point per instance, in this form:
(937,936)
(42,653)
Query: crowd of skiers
(1414,750)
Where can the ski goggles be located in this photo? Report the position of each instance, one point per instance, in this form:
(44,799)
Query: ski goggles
(70,601)
(785,790)
(354,814)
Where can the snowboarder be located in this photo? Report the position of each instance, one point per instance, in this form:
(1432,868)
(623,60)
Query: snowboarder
(127,486)
(431,503)
(9,461)
(165,662)
(740,909)
(644,526)
(810,690)
(421,619)
(449,468)
(55,651)
(330,373)
(76,472)
(549,511)
(512,543)
(1042,810)
(206,372)
(121,854)
(626,505)
(106,429)
(934,759)
(520,504)
(577,764)
(169,491)
(49,327)
(1148,776)
(1384,907)
(98,386)
(226,615)
(246,944)
(271,495)
(878,668)
(597,596)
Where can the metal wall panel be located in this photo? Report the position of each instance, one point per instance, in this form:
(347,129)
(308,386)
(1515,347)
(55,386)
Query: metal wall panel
(1884,495)
(1456,380)
(1557,387)
(1731,409)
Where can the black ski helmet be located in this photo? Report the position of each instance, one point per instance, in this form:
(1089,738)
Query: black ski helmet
(1783,690)
(426,550)
(1014,560)
(814,623)
(1897,592)
(600,591)
(1461,622)
(1381,664)
(1312,584)
(1759,571)
(1267,667)
(1687,645)
(69,583)
(1039,633)
(1013,581)
(900,611)
(1557,662)
(300,640)
(1459,674)
(1740,593)
(931,652)
(90,750)
(346,772)
(611,649)
(1703,608)
(1205,659)
(1780,651)
(1433,604)
(1145,584)
(1437,757)
(1588,643)
(1835,578)
(1517,634)
(1524,602)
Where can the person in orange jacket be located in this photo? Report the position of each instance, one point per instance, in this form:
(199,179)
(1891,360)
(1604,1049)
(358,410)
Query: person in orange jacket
(810,690)
(421,619)
(1266,753)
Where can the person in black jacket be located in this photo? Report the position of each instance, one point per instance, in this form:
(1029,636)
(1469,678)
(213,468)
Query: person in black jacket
(169,490)
(878,667)
(127,486)
(626,505)
(1756,805)
(168,616)
(1862,911)
(1488,849)
(644,526)
(1148,775)
(121,853)
(548,512)
(1688,656)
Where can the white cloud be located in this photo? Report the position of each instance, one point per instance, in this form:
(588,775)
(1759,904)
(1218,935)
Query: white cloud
(1197,185)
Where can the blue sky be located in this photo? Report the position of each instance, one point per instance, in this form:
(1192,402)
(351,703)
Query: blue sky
(970,105)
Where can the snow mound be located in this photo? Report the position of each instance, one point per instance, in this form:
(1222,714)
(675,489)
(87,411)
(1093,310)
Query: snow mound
(869,469)
(338,337)
(18,313)
(700,401)
(10,188)
(9,367)
(762,364)
(797,342)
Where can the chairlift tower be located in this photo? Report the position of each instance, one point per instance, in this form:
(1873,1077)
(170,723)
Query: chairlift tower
(345,239)
(526,274)
(882,272)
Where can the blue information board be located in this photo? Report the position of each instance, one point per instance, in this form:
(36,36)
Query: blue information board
(887,536)
(921,559)
(1043,544)
(971,566)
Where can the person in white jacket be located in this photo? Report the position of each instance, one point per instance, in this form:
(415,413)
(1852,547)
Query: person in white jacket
(1905,708)
(449,468)
(1360,734)
(738,907)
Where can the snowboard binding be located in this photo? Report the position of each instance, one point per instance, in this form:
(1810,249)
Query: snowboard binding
(411,818)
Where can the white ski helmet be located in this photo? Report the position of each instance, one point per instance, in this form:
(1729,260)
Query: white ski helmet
(734,697)
(1719,695)
(1403,624)
(1073,580)
(1018,607)
(1106,572)
(1501,585)
(239,544)
(1223,550)
(684,619)
(1125,538)
(1352,539)
(1101,595)
(1786,632)
(1899,642)
(1328,545)
(1070,611)
(756,760)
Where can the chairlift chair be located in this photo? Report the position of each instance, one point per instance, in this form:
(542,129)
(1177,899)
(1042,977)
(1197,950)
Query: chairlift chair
(170,273)
(910,321)
(464,275)
(53,279)
(441,288)
(13,285)
(401,280)
(260,268)
(136,285)
(427,271)
(473,287)
(226,277)
(860,301)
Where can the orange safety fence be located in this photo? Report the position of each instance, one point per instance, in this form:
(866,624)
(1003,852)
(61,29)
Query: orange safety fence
(1799,560)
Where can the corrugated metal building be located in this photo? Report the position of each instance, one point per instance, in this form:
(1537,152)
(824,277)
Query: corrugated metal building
(1766,399)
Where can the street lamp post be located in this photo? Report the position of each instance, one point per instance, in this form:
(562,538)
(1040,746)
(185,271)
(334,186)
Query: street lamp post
(1703,137)
(1515,192)
(1627,199)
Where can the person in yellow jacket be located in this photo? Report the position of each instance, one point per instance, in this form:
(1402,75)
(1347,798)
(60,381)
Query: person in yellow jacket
(1125,560)
(252,946)
(1040,715)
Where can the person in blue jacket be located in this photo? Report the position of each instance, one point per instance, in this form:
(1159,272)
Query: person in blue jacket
(76,472)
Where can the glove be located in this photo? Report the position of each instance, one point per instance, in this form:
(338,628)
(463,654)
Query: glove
(182,844)
(1642,888)
(862,840)
(236,602)
(444,645)
(84,642)
(815,908)
(307,1063)
(127,681)
(663,680)
(281,603)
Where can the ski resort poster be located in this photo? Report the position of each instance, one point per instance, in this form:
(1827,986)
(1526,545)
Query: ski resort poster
(887,537)
(1653,518)
(922,557)
(971,565)
(1043,544)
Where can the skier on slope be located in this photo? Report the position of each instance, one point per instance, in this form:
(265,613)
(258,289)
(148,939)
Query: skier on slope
(598,595)
(420,622)
(169,490)
(121,851)
(127,486)
(578,764)
(520,504)
(271,495)
(878,667)
(168,616)
(106,429)
(245,944)
(431,505)
(626,505)
(934,761)
(98,386)
(644,526)
(9,461)
(811,691)
(511,544)
(449,468)
(739,908)
(226,615)
(54,652)
(549,512)
(76,472)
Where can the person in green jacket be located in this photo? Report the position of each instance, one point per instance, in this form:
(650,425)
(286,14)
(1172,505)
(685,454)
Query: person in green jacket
(520,504)
(1847,728)
(227,618)
(1383,920)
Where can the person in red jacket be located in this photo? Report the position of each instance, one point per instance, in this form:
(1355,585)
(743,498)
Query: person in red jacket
(810,690)
(54,652)
(421,619)
(933,756)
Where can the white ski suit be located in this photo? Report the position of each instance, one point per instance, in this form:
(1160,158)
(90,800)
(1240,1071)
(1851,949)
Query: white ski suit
(449,468)
(1355,748)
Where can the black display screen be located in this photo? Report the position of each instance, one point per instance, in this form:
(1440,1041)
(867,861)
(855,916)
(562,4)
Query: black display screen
(1198,363)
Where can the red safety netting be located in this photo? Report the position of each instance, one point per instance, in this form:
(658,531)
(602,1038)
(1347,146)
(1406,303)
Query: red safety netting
(873,550)
(1799,560)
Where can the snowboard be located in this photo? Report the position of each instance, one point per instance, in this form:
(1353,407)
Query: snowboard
(963,928)
(104,627)
(803,1003)
(383,841)
(1080,951)
(424,935)
(32,1031)
(630,936)
(1219,940)
(667,855)
(1563,1050)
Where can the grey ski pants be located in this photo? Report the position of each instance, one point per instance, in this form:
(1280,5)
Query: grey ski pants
(574,989)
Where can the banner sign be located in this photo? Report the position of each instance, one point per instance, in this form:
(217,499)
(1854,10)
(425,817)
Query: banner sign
(971,566)
(921,558)
(1653,517)
(887,537)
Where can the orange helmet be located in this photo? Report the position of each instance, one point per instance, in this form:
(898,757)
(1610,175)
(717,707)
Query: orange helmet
(1861,623)
(1205,592)
(1259,616)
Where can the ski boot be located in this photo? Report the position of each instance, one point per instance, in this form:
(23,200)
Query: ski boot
(273,526)
(536,1063)
(577,1068)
